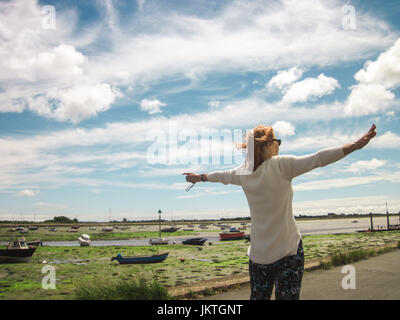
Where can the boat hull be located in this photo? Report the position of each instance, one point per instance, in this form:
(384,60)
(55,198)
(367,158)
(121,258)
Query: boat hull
(158,241)
(194,241)
(142,260)
(16,255)
(84,243)
(172,229)
(231,236)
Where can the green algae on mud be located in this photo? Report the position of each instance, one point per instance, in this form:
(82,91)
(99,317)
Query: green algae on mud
(184,265)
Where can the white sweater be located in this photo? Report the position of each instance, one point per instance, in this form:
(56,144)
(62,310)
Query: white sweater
(274,233)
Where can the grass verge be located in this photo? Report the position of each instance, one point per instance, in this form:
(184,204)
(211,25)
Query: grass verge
(343,258)
(137,289)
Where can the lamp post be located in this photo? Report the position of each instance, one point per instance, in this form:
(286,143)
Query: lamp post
(372,225)
(159,223)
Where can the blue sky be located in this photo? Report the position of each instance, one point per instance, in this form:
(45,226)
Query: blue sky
(87,93)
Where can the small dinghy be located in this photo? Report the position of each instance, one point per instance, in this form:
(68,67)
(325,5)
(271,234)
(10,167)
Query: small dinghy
(195,241)
(155,241)
(141,259)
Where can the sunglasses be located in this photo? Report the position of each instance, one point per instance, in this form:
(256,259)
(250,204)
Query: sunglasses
(277,140)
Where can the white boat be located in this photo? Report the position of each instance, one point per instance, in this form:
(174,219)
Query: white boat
(154,241)
(84,240)
(107,229)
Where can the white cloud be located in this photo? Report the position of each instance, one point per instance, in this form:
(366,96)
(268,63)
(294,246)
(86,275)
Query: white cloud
(372,93)
(328,184)
(302,91)
(387,140)
(366,99)
(285,77)
(43,71)
(36,63)
(384,70)
(75,103)
(152,106)
(244,36)
(27,193)
(51,206)
(363,166)
(346,205)
(283,128)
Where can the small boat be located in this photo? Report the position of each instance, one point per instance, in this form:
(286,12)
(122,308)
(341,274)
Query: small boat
(141,259)
(188,229)
(24,231)
(92,228)
(232,234)
(33,228)
(53,229)
(34,243)
(155,241)
(224,226)
(107,229)
(17,251)
(84,240)
(195,241)
(75,227)
(203,226)
(170,229)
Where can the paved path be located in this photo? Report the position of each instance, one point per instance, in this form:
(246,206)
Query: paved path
(377,278)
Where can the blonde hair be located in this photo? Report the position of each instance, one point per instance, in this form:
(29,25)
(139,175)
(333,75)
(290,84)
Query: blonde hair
(263,136)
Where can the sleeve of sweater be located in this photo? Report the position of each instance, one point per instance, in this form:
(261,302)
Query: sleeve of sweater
(293,166)
(225,177)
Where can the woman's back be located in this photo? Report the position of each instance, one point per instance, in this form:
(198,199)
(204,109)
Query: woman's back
(269,193)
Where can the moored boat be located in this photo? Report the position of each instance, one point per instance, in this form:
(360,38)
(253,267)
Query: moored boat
(141,259)
(232,234)
(170,229)
(16,251)
(34,243)
(155,241)
(84,240)
(195,241)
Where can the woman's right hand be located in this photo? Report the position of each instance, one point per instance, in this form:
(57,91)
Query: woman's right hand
(363,141)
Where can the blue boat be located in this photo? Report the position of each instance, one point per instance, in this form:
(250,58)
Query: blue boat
(140,259)
(195,241)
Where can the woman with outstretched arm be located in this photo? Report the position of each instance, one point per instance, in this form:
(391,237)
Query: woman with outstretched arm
(276,253)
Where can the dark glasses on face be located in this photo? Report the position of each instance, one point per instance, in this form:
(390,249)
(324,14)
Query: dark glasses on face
(277,140)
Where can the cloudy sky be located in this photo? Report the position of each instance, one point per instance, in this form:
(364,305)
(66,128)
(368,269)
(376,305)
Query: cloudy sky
(104,104)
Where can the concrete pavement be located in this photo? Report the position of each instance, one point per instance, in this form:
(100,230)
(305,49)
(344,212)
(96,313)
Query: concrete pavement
(377,278)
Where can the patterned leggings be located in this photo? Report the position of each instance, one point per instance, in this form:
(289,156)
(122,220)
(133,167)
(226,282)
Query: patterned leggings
(285,273)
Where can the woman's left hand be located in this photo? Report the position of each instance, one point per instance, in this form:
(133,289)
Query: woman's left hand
(192,177)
